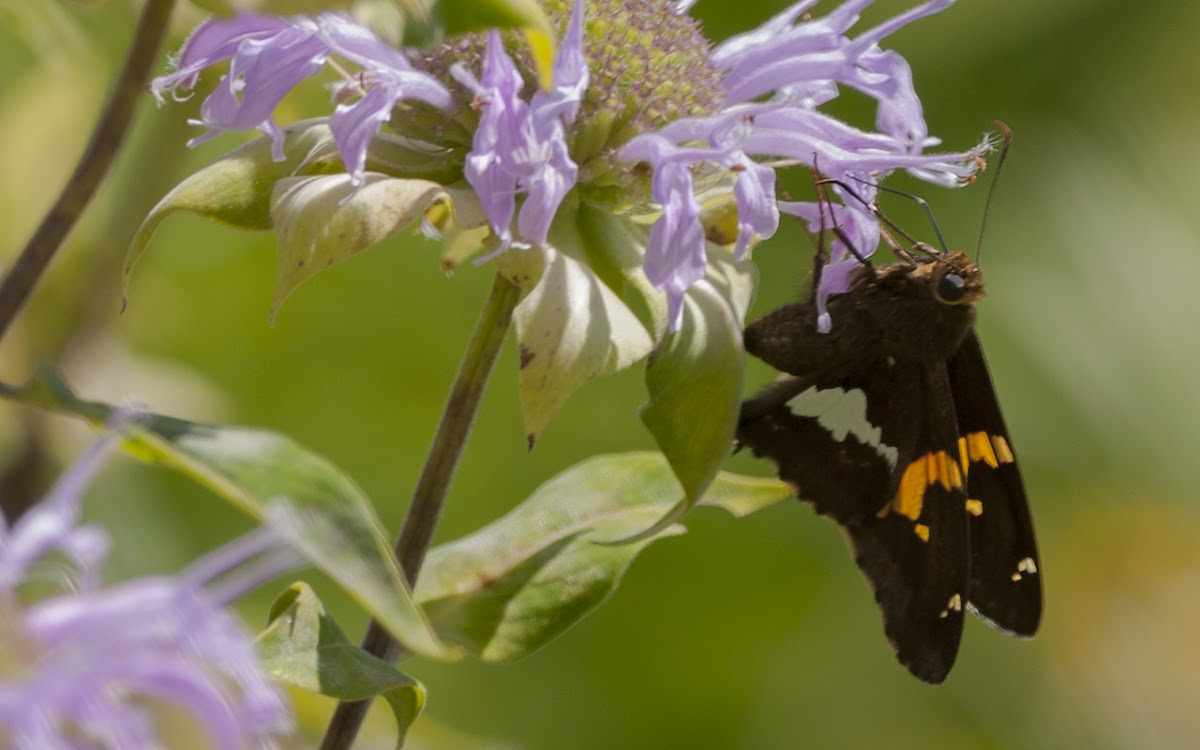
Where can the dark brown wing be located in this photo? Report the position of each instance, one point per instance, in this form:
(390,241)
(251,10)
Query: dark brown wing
(841,443)
(904,517)
(1006,582)
(835,429)
(915,554)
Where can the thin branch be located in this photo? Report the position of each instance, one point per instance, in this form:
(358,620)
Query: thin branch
(93,165)
(430,493)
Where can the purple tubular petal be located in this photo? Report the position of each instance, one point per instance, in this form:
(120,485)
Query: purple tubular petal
(737,46)
(835,279)
(799,134)
(520,147)
(270,56)
(89,659)
(801,63)
(886,77)
(213,41)
(813,50)
(675,250)
(162,639)
(817,52)
(753,191)
(546,194)
(570,75)
(860,226)
(876,35)
(359,45)
(260,75)
(50,525)
(355,125)
(505,114)
(177,684)
(388,78)
(758,213)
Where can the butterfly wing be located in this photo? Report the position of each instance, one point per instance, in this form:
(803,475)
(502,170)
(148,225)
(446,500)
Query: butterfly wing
(1005,586)
(877,452)
(832,428)
(915,553)
(839,443)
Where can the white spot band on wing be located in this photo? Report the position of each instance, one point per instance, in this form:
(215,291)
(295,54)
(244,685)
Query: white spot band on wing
(843,412)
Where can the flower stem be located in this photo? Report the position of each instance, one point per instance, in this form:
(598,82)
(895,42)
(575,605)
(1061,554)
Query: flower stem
(434,482)
(97,157)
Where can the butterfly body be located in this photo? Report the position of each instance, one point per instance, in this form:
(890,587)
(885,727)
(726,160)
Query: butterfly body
(888,423)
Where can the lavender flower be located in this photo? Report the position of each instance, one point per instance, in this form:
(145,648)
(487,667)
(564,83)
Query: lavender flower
(718,121)
(520,147)
(800,65)
(623,198)
(269,56)
(80,665)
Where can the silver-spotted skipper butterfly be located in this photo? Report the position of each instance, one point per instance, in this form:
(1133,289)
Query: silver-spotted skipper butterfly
(888,423)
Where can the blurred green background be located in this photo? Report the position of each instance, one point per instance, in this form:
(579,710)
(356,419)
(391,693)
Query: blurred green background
(756,633)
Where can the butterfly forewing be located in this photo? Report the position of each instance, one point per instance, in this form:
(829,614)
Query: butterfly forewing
(915,553)
(1006,582)
(837,442)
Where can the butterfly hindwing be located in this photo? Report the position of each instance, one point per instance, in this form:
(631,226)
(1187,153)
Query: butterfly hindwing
(1005,587)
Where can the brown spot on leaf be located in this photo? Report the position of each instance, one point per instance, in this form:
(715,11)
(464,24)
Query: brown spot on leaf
(527,356)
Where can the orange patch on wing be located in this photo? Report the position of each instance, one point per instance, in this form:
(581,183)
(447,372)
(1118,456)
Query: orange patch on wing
(975,507)
(1004,454)
(922,531)
(932,468)
(940,467)
(979,448)
(910,496)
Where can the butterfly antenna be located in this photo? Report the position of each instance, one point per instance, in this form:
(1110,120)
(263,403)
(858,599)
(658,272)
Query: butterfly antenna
(891,224)
(822,203)
(937,229)
(1006,133)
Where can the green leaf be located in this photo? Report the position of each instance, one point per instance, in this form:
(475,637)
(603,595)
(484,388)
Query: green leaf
(322,220)
(303,646)
(306,499)
(571,327)
(694,379)
(235,189)
(511,587)
(616,249)
(242,187)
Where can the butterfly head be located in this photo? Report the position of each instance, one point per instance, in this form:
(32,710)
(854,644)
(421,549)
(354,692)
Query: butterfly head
(953,278)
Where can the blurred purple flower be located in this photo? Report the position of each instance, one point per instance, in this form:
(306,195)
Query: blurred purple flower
(80,665)
(800,65)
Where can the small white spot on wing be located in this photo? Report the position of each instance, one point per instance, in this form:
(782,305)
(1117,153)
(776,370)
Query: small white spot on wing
(1026,565)
(955,605)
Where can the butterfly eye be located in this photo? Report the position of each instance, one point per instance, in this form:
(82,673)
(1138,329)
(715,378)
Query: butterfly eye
(951,288)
